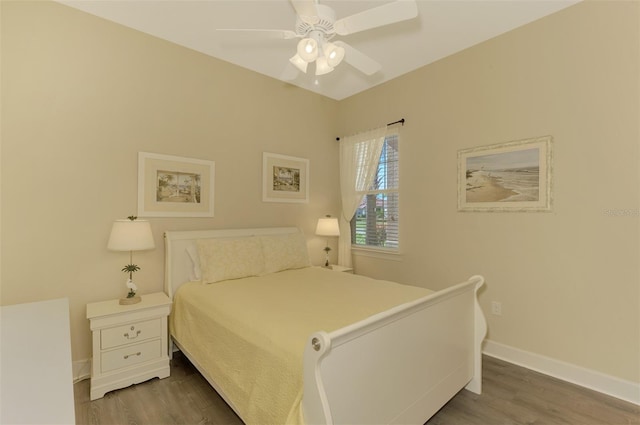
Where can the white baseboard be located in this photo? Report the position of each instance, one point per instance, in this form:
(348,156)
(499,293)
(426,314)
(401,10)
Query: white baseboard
(597,381)
(81,370)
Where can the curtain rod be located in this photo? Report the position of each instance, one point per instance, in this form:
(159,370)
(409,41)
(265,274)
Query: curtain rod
(400,121)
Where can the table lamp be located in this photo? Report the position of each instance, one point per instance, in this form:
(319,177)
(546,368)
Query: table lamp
(327,226)
(131,235)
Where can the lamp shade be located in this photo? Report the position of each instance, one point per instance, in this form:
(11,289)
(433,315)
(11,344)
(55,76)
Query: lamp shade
(334,54)
(131,235)
(322,67)
(300,63)
(308,49)
(328,226)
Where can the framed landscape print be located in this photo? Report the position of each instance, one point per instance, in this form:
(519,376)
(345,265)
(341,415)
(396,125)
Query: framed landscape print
(284,178)
(512,176)
(173,186)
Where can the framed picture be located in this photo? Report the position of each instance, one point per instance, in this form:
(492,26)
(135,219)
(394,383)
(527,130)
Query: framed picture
(284,178)
(512,176)
(173,186)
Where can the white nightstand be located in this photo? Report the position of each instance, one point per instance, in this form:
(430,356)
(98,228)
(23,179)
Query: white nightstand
(130,342)
(342,269)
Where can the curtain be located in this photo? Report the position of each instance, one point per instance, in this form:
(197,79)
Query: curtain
(359,156)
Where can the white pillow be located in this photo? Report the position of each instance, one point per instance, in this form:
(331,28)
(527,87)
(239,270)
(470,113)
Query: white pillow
(195,273)
(283,252)
(223,259)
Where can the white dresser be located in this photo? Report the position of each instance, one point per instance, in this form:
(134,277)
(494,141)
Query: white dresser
(130,342)
(35,364)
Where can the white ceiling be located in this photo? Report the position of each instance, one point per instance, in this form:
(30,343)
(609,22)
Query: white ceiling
(443,27)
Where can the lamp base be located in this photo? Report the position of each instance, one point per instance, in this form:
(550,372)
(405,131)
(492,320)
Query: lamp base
(131,300)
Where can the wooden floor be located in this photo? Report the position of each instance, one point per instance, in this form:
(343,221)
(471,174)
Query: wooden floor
(511,395)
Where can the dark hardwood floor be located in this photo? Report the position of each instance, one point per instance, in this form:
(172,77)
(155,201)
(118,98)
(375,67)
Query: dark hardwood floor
(511,395)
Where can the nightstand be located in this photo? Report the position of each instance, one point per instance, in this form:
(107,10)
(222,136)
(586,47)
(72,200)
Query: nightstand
(130,342)
(342,269)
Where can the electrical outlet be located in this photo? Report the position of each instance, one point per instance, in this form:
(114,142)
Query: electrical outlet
(496,308)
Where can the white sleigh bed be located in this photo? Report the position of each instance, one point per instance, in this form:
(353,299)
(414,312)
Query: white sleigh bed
(397,366)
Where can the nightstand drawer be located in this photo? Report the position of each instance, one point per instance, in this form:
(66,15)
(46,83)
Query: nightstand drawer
(128,356)
(132,332)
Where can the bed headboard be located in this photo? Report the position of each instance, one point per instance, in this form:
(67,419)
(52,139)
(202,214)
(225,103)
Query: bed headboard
(178,265)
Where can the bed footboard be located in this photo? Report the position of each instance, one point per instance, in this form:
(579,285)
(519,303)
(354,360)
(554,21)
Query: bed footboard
(399,366)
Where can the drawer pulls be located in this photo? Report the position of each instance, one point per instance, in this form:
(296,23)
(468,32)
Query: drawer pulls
(126,335)
(126,356)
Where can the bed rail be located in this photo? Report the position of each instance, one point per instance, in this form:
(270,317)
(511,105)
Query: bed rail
(400,379)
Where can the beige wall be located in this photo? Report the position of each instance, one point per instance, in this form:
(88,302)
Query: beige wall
(80,98)
(568,280)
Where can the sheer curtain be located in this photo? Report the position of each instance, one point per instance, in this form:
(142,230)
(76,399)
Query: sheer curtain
(359,155)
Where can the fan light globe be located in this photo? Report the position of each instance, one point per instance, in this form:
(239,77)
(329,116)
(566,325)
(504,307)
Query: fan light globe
(299,63)
(308,49)
(322,67)
(334,54)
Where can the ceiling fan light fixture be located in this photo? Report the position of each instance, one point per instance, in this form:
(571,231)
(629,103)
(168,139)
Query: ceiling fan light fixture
(299,63)
(308,49)
(322,66)
(334,54)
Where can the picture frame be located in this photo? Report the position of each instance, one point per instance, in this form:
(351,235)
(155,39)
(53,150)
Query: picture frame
(284,178)
(506,177)
(175,186)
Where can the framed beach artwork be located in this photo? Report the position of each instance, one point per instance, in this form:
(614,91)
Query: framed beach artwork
(512,176)
(174,186)
(284,178)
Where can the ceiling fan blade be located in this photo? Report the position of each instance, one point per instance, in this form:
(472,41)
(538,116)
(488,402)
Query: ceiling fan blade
(358,60)
(272,34)
(390,13)
(306,10)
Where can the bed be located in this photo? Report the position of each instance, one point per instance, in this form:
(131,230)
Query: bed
(284,342)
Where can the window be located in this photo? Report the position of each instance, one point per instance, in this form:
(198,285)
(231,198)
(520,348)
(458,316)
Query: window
(375,223)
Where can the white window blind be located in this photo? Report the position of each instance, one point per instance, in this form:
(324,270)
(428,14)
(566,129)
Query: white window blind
(376,221)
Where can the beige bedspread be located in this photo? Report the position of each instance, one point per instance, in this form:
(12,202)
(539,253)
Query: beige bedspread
(249,334)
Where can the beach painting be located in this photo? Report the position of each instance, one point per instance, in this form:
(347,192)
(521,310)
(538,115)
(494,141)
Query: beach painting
(174,186)
(513,176)
(284,178)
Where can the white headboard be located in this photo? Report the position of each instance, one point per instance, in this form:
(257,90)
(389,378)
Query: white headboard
(178,265)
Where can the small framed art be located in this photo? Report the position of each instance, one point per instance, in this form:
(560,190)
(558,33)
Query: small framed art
(174,186)
(512,176)
(284,178)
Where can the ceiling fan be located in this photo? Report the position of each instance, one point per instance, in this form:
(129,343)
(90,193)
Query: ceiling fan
(316,25)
